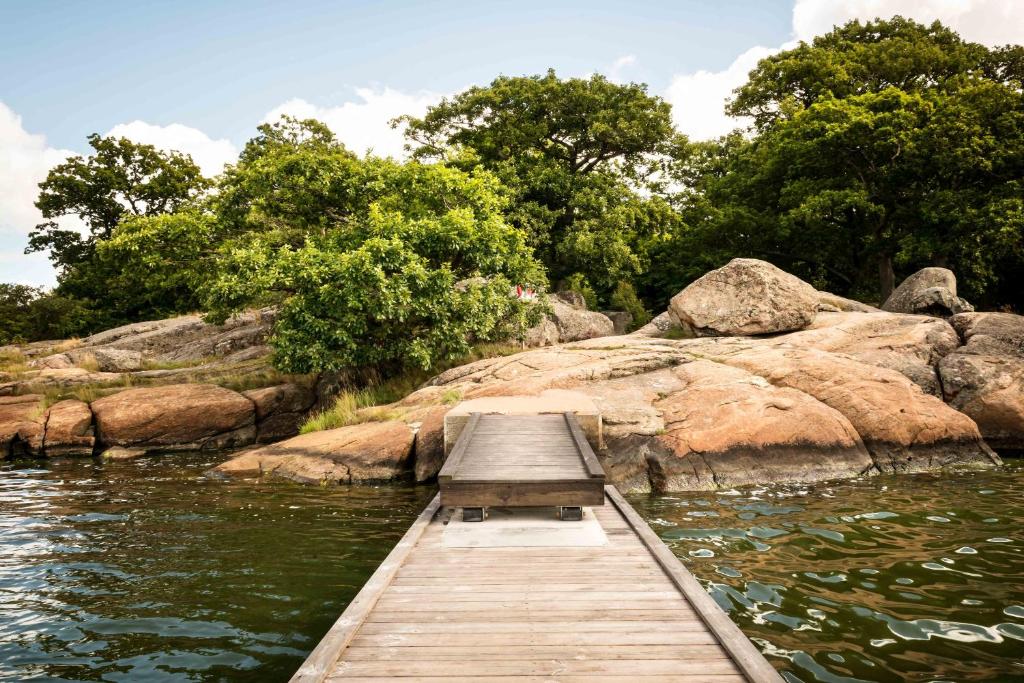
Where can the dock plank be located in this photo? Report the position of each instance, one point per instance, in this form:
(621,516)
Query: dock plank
(565,614)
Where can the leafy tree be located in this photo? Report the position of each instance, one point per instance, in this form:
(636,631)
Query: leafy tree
(32,314)
(860,58)
(417,276)
(120,178)
(572,151)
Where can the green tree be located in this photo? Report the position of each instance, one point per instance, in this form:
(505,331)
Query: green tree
(860,58)
(421,273)
(33,314)
(572,151)
(119,178)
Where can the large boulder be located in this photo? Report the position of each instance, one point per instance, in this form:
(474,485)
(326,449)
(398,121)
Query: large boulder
(727,427)
(69,430)
(745,297)
(372,451)
(280,410)
(108,359)
(904,429)
(985,378)
(21,425)
(929,291)
(567,323)
(175,417)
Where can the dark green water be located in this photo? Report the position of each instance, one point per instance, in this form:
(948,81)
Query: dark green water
(899,578)
(145,571)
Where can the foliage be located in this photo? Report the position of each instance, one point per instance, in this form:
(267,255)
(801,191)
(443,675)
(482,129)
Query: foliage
(120,178)
(845,190)
(31,313)
(577,282)
(625,298)
(418,276)
(572,152)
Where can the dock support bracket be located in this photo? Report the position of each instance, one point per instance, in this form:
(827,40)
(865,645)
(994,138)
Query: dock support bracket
(570,513)
(474,514)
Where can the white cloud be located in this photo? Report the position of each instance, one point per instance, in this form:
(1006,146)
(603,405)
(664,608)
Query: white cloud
(25,160)
(618,66)
(364,125)
(698,99)
(211,155)
(993,22)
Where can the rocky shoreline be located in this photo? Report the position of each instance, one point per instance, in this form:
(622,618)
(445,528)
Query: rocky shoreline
(750,377)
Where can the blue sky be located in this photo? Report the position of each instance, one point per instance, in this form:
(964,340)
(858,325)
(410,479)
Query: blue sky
(199,76)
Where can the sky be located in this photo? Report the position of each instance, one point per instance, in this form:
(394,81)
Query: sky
(199,76)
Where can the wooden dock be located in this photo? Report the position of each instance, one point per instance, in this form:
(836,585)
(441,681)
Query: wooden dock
(625,612)
(521,461)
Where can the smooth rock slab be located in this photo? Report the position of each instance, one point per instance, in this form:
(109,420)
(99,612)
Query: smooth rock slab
(21,425)
(175,417)
(372,451)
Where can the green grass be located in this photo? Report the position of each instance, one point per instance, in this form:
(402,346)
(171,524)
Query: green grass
(369,403)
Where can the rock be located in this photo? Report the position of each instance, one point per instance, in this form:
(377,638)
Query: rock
(929,291)
(109,359)
(727,427)
(661,325)
(57,361)
(904,429)
(118,453)
(280,410)
(985,378)
(574,299)
(21,425)
(69,430)
(575,324)
(544,333)
(621,320)
(912,345)
(371,451)
(429,448)
(837,304)
(745,297)
(175,417)
(188,337)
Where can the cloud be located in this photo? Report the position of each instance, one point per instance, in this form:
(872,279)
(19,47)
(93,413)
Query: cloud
(993,22)
(618,66)
(363,125)
(698,99)
(211,155)
(25,159)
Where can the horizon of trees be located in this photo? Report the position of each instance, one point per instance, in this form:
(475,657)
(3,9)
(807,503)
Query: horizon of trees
(874,150)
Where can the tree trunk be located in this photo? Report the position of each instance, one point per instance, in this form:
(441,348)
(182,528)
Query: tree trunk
(886,277)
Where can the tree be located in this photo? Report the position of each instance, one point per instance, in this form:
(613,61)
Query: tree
(860,58)
(422,272)
(33,314)
(846,188)
(572,152)
(120,178)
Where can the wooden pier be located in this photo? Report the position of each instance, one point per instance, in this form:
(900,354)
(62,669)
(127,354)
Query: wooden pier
(625,610)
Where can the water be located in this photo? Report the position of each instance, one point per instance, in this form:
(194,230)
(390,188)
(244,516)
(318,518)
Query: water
(146,571)
(898,578)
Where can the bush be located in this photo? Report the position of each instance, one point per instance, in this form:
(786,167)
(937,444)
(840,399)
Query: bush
(624,298)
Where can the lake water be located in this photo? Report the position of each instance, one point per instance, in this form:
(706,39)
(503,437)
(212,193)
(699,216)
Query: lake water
(147,571)
(910,577)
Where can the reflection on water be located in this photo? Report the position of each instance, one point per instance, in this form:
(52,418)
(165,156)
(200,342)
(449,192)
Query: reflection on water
(145,570)
(912,577)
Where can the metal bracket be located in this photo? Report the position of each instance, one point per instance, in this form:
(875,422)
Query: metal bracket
(474,514)
(570,513)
